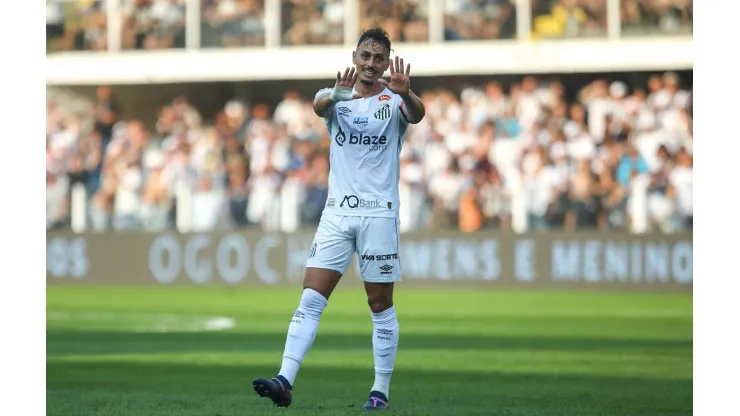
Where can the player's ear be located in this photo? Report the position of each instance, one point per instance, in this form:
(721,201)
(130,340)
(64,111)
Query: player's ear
(354,56)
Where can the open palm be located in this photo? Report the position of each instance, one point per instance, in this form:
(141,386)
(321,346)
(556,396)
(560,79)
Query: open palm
(345,83)
(400,82)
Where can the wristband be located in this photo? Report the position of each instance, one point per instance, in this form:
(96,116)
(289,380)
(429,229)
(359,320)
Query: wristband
(341,94)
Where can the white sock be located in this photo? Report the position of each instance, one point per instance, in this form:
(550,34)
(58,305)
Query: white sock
(301,332)
(385,344)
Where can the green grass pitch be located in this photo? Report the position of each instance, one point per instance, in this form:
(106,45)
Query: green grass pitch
(194,351)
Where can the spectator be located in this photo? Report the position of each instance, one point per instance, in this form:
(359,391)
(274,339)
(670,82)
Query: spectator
(76,26)
(539,190)
(611,201)
(661,194)
(631,165)
(317,189)
(57,200)
(580,197)
(238,195)
(682,179)
(55,25)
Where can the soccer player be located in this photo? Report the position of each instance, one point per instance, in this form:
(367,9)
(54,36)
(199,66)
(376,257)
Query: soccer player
(367,118)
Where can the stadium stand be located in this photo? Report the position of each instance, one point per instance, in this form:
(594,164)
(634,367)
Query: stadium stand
(518,152)
(477,157)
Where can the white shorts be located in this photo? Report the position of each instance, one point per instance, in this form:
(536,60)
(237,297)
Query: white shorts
(374,239)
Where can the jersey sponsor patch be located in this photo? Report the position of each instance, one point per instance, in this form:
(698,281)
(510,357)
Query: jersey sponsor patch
(353,201)
(384,97)
(374,143)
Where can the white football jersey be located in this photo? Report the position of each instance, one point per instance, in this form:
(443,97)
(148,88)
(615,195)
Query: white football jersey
(366,139)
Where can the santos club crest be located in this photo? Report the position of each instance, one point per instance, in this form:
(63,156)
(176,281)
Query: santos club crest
(383,112)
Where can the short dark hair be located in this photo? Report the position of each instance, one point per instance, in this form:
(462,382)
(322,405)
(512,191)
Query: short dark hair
(377,34)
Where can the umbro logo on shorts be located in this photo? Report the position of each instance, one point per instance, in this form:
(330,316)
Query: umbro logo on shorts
(386,269)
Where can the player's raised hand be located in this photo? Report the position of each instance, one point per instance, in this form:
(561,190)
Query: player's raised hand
(343,88)
(400,82)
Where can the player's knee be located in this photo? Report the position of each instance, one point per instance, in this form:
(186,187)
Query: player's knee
(318,288)
(379,302)
(312,303)
(322,281)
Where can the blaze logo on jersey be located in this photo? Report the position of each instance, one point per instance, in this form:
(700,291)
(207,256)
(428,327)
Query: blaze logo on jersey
(372,142)
(340,138)
(384,97)
(383,113)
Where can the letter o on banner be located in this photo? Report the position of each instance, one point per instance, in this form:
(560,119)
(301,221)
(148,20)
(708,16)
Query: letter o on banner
(683,262)
(261,253)
(238,272)
(161,246)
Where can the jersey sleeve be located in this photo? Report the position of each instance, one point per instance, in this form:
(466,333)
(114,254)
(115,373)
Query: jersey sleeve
(403,123)
(402,113)
(329,108)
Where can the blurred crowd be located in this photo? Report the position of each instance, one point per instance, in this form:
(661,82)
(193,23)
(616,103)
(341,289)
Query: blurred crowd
(152,24)
(481,155)
(157,24)
(232,23)
(479,19)
(312,22)
(588,18)
(568,18)
(640,17)
(145,24)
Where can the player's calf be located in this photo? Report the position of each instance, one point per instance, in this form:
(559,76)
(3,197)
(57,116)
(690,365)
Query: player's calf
(385,337)
(385,346)
(301,332)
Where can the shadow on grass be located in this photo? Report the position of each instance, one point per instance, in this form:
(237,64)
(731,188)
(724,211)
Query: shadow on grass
(105,388)
(82,342)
